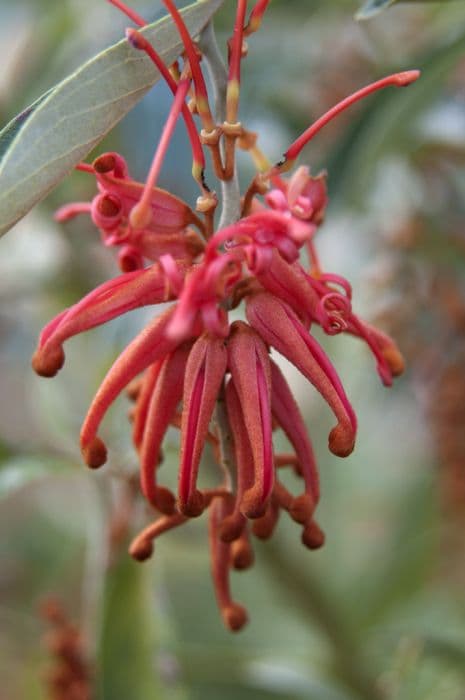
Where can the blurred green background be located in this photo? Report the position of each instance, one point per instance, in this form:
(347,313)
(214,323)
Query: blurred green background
(380,610)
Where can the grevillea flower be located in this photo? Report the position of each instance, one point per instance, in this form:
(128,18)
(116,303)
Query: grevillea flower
(196,368)
(169,229)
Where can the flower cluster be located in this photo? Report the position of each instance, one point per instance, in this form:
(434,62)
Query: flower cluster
(196,366)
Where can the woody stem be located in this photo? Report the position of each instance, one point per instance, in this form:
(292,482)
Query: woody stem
(231,196)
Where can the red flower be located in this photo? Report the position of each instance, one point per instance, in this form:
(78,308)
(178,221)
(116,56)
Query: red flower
(195,369)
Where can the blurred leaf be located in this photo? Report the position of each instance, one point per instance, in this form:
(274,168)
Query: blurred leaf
(126,667)
(43,144)
(408,558)
(5,452)
(373,7)
(20,471)
(452,653)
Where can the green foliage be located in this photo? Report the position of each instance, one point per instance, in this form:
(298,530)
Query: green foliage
(42,145)
(373,7)
(126,659)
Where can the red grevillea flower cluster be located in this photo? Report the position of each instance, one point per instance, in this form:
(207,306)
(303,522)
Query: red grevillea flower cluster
(194,366)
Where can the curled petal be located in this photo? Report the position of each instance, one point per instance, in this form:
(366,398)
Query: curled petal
(313,536)
(70,211)
(148,347)
(107,211)
(111,163)
(205,287)
(184,245)
(249,364)
(204,376)
(287,413)
(169,213)
(333,312)
(280,327)
(288,282)
(390,362)
(264,527)
(233,614)
(111,299)
(165,398)
(242,555)
(233,525)
(264,228)
(337,281)
(142,546)
(130,259)
(143,396)
(307,195)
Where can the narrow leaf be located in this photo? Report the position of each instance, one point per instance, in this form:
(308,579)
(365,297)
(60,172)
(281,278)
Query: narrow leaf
(42,145)
(126,668)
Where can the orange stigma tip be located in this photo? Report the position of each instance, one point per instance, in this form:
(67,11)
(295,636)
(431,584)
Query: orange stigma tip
(95,453)
(313,536)
(165,501)
(133,389)
(302,509)
(252,505)
(242,556)
(263,527)
(231,528)
(235,617)
(141,550)
(194,506)
(341,442)
(407,77)
(395,360)
(48,364)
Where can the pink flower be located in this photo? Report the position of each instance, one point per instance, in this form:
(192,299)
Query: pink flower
(197,369)
(303,199)
(168,231)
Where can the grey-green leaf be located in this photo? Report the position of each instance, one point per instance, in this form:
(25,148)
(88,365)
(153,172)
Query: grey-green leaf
(8,134)
(373,7)
(42,145)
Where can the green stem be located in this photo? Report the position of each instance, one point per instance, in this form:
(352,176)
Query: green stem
(231,196)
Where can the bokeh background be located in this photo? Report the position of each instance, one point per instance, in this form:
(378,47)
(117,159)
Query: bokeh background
(380,610)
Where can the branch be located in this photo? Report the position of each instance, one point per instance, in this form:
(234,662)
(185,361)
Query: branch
(231,196)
